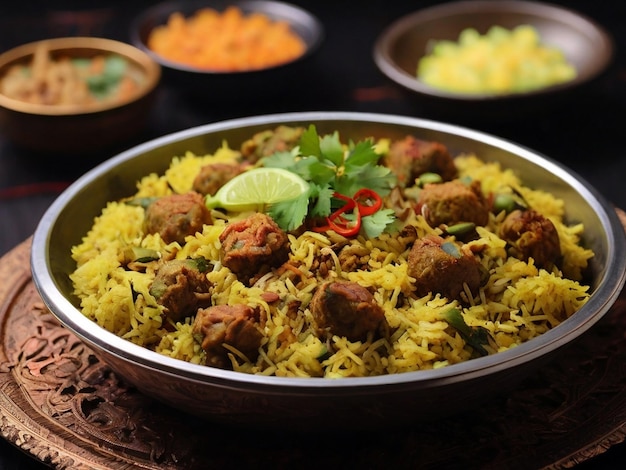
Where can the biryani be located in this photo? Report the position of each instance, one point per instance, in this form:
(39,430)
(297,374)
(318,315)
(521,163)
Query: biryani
(388,256)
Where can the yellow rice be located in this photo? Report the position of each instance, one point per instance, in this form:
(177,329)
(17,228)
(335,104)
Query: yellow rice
(518,303)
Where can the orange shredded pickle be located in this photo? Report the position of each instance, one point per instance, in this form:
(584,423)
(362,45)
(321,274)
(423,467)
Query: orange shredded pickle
(227,41)
(292,268)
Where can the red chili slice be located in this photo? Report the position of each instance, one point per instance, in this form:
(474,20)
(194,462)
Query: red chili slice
(368,201)
(341,225)
(346,230)
(344,226)
(365,201)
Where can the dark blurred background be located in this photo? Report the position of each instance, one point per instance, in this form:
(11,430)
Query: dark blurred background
(586,134)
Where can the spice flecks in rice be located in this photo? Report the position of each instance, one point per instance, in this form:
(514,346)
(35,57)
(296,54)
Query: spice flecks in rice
(517,303)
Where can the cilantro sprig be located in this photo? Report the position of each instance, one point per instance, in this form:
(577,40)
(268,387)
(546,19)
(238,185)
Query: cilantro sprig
(332,168)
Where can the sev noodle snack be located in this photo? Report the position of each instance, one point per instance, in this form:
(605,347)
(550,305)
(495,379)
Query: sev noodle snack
(226,41)
(516,300)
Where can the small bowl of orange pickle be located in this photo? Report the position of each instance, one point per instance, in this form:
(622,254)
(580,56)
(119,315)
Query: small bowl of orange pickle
(228,50)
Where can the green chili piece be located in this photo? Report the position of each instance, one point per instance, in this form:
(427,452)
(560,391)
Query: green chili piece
(141,255)
(476,337)
(461,228)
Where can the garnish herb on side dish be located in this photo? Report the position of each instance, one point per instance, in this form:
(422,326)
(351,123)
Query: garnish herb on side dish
(476,337)
(346,185)
(106,82)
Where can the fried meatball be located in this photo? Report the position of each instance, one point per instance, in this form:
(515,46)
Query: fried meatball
(453,202)
(251,247)
(347,309)
(182,287)
(443,269)
(213,176)
(176,216)
(234,325)
(531,235)
(410,157)
(266,143)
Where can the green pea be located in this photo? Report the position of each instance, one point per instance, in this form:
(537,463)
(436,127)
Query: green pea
(503,202)
(429,178)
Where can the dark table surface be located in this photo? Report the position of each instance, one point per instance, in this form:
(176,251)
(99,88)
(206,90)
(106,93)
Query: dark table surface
(586,134)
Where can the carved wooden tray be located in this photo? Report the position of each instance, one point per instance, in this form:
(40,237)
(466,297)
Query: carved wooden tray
(59,403)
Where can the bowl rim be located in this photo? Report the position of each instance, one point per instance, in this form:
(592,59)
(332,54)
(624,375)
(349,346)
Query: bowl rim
(150,69)
(610,285)
(384,62)
(257,5)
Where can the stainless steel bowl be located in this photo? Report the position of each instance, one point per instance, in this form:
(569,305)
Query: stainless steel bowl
(585,44)
(238,398)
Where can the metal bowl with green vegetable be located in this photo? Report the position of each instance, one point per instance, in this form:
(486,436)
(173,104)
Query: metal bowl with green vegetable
(330,241)
(75,95)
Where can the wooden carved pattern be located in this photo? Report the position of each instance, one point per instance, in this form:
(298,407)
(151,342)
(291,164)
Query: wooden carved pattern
(69,410)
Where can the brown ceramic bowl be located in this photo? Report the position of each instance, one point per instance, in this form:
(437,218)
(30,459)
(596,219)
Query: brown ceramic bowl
(78,129)
(241,86)
(313,403)
(585,44)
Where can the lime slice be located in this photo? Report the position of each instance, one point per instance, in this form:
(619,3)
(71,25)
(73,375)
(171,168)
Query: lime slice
(257,188)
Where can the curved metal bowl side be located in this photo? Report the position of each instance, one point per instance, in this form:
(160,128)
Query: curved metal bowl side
(356,402)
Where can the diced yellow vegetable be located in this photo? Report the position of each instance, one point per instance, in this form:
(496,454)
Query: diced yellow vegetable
(501,61)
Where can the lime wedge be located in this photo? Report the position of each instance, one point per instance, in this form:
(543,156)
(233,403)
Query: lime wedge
(257,188)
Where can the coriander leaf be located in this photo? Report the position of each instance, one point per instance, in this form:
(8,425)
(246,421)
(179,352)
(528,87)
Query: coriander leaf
(104,84)
(82,63)
(114,67)
(290,214)
(331,148)
(322,204)
(310,142)
(309,168)
(377,178)
(375,224)
(319,173)
(284,160)
(362,154)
